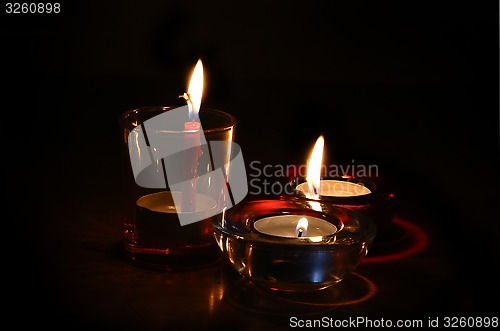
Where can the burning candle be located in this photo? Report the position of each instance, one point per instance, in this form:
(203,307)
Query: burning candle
(295,226)
(315,186)
(192,135)
(284,245)
(173,191)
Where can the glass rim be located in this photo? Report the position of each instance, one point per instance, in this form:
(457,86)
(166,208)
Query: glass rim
(231,119)
(364,229)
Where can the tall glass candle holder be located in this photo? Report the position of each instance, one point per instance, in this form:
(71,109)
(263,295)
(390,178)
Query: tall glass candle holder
(156,227)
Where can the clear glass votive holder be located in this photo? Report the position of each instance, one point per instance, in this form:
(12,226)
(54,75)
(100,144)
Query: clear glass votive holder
(291,263)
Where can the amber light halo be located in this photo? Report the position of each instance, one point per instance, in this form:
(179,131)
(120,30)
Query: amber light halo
(293,264)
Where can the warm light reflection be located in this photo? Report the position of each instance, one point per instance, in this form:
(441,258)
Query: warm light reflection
(135,138)
(301,228)
(216,295)
(314,167)
(316,239)
(195,91)
(354,290)
(417,241)
(315,205)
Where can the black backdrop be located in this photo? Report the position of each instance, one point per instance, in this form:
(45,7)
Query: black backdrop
(409,86)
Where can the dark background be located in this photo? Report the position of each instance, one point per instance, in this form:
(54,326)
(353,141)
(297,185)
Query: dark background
(409,86)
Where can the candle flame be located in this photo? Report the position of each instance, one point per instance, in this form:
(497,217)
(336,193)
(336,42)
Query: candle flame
(301,229)
(314,167)
(195,91)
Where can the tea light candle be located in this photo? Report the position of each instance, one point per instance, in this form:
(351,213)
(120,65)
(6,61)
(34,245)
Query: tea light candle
(162,202)
(335,188)
(314,187)
(157,221)
(295,226)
